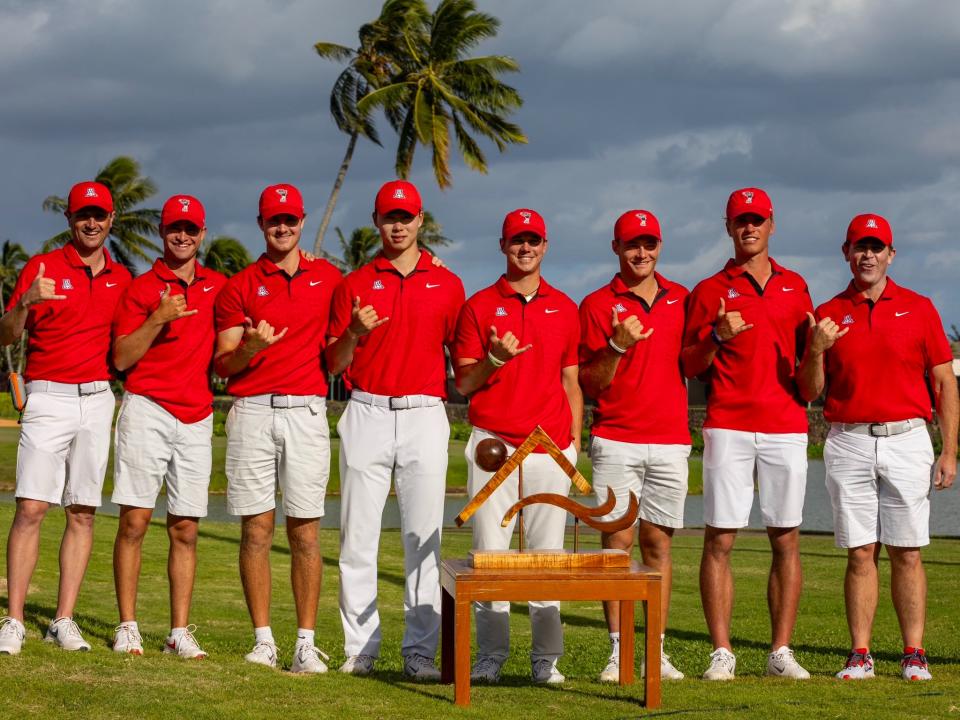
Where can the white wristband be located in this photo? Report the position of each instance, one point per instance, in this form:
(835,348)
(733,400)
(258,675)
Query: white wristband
(616,348)
(495,361)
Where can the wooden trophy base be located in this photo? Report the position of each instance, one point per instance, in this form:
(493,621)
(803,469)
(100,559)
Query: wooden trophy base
(548,559)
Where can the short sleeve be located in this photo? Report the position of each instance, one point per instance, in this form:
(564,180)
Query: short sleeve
(468,340)
(228,310)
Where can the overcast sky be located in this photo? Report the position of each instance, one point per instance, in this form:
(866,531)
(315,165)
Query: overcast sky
(836,107)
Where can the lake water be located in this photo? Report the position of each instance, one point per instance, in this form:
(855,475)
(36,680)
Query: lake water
(944,512)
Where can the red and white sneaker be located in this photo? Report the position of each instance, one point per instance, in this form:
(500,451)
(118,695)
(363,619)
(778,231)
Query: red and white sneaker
(185,646)
(126,639)
(913,664)
(859,665)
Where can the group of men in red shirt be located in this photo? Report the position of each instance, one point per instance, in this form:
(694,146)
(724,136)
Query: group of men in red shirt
(524,355)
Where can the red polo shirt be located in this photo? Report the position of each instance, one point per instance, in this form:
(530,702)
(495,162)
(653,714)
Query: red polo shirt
(404,356)
(262,291)
(527,391)
(69,340)
(175,371)
(647,400)
(877,372)
(752,377)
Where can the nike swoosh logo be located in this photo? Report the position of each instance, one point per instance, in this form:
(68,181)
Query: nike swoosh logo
(208,289)
(172,645)
(314,283)
(788,289)
(433,286)
(550,312)
(671,302)
(111,284)
(899,314)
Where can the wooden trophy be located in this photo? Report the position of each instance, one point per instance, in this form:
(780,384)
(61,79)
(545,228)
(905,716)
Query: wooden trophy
(491,455)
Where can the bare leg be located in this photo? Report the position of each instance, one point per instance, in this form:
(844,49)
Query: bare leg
(655,541)
(181,566)
(860,590)
(908,585)
(785,583)
(716,583)
(74,555)
(306,568)
(23,547)
(127,546)
(256,539)
(621,540)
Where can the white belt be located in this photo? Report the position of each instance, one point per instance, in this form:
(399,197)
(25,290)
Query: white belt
(75,389)
(280,401)
(401,402)
(882,429)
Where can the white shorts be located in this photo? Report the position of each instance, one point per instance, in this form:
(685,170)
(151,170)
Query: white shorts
(731,460)
(656,474)
(64,446)
(152,446)
(880,487)
(269,448)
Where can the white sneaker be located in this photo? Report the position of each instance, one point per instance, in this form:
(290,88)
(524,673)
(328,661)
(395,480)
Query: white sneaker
(667,670)
(545,671)
(418,667)
(264,653)
(611,673)
(64,633)
(913,665)
(12,634)
(186,646)
(486,669)
(306,659)
(127,640)
(781,663)
(358,665)
(723,663)
(859,666)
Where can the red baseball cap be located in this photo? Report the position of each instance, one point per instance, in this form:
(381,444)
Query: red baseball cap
(89,194)
(869,225)
(282,199)
(636,223)
(523,220)
(398,195)
(751,200)
(183,207)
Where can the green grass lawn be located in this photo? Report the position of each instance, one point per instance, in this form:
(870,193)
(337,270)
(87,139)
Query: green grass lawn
(456,471)
(44,681)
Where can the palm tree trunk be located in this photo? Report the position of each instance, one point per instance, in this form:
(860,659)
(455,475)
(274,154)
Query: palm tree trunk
(335,194)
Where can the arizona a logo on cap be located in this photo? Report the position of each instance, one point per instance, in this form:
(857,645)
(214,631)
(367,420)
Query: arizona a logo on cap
(398,194)
(526,217)
(872,223)
(642,218)
(748,196)
(91,192)
(282,192)
(184,204)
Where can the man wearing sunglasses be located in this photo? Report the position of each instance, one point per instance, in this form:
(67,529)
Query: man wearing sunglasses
(516,358)
(163,341)
(744,334)
(879,349)
(65,300)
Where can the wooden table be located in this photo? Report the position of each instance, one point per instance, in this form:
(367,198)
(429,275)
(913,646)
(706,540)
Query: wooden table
(463,584)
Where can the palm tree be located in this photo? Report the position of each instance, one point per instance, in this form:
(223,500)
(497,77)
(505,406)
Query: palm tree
(133,226)
(224,254)
(438,87)
(372,64)
(364,243)
(12,259)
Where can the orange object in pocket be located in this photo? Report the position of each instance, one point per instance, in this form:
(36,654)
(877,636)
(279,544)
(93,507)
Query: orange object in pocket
(18,391)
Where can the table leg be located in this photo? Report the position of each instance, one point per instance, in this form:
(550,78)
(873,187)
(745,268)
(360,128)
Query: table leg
(651,686)
(627,647)
(461,663)
(446,637)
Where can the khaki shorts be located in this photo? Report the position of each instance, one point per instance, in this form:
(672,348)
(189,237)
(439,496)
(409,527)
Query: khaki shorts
(64,446)
(270,448)
(153,447)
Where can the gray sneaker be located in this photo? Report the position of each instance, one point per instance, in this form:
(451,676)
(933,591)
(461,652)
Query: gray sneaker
(12,634)
(486,669)
(419,667)
(64,633)
(544,671)
(358,665)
